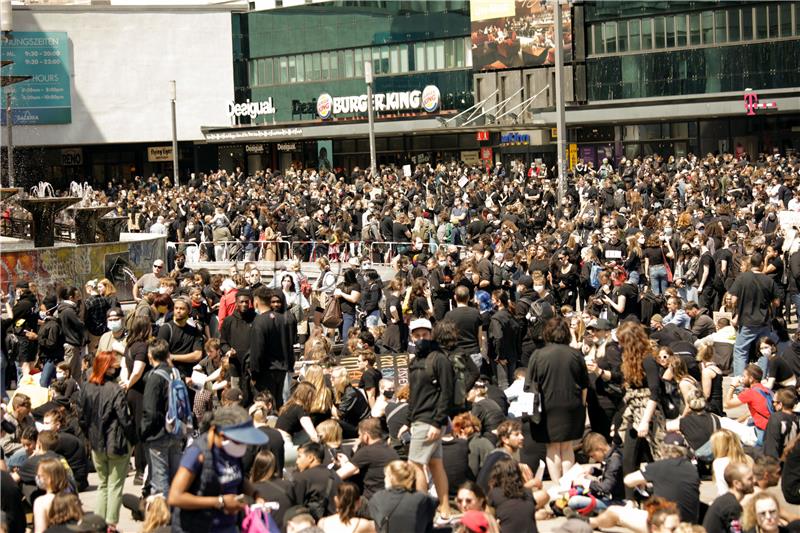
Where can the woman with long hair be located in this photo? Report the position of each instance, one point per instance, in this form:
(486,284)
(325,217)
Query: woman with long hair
(643,424)
(761,514)
(51,477)
(157,515)
(396,335)
(106,421)
(66,510)
(294,420)
(268,485)
(514,505)
(323,395)
(558,372)
(727,449)
(678,373)
(400,508)
(346,519)
(351,406)
(711,376)
(135,367)
(655,262)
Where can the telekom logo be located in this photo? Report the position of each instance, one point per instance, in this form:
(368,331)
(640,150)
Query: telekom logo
(751,103)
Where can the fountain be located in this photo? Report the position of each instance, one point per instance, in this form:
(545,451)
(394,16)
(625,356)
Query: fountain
(8,192)
(43,205)
(86,215)
(111,226)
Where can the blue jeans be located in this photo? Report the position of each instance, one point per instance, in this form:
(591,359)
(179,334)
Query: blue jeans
(658,279)
(17,458)
(348,321)
(164,457)
(48,373)
(796,302)
(745,337)
(581,502)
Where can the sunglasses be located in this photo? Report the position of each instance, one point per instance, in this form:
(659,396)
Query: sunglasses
(158,266)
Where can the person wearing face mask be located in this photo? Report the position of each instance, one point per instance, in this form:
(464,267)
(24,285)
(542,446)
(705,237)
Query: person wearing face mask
(115,339)
(51,340)
(208,490)
(106,420)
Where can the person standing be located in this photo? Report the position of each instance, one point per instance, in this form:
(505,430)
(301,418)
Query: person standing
(184,340)
(106,420)
(754,295)
(468,323)
(74,331)
(235,340)
(273,336)
(504,336)
(432,381)
(558,372)
(50,339)
(135,366)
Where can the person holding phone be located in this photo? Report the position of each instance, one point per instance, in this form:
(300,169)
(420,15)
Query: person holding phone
(208,491)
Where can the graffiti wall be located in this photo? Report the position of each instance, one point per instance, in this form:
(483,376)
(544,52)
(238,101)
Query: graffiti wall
(121,262)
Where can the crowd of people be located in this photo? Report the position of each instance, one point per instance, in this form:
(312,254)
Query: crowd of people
(625,342)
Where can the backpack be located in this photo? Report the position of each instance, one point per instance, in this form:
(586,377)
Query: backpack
(465,375)
(768,398)
(178,421)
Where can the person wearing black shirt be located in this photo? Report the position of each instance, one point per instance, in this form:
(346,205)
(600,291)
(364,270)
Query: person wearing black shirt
(723,515)
(513,504)
(370,377)
(265,477)
(468,323)
(185,341)
(314,485)
(624,300)
(705,278)
(273,337)
(783,424)
(235,339)
(674,477)
(349,294)
(370,457)
(68,446)
(784,369)
(136,365)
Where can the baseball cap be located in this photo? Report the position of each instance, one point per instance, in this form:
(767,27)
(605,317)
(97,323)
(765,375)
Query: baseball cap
(420,323)
(245,433)
(600,324)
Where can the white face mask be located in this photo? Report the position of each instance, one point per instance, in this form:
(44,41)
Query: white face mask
(60,375)
(538,288)
(114,325)
(766,352)
(234,449)
(162,290)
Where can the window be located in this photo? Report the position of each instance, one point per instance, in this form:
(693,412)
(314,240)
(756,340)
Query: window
(786,20)
(308,61)
(403,58)
(761,22)
(315,70)
(597,30)
(430,56)
(449,53)
(325,71)
(439,54)
(747,24)
(660,31)
(734,26)
(610,36)
(670,32)
(268,71)
(622,36)
(334,66)
(284,70)
(694,29)
(252,68)
(300,69)
(419,56)
(720,27)
(647,34)
(376,60)
(458,45)
(708,27)
(359,63)
(772,17)
(634,35)
(292,69)
(385,59)
(349,66)
(680,30)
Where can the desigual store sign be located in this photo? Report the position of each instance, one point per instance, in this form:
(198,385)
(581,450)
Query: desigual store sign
(428,99)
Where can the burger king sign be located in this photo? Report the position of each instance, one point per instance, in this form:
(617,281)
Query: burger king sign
(324,106)
(427,100)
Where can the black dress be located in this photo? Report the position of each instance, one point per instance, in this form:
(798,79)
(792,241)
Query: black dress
(560,372)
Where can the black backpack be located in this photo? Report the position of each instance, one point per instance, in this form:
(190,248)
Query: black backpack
(465,375)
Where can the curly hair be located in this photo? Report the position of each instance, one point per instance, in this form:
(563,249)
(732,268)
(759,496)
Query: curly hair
(507,477)
(635,347)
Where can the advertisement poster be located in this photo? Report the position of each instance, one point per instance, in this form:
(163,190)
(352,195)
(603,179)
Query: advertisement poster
(44,98)
(516,33)
(324,155)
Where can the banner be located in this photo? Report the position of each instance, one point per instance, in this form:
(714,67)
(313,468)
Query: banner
(324,155)
(44,98)
(516,33)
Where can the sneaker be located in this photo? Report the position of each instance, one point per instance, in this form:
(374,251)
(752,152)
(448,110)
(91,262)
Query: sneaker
(138,479)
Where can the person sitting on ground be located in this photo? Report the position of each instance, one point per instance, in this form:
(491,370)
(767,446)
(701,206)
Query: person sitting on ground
(369,459)
(346,519)
(400,508)
(783,424)
(723,515)
(604,482)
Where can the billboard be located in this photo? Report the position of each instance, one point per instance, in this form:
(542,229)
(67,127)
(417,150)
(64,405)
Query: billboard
(45,97)
(516,33)
(324,155)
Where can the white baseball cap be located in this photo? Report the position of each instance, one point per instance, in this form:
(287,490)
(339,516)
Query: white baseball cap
(420,323)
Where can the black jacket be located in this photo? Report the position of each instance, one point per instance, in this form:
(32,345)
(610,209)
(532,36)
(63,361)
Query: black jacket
(73,450)
(504,332)
(609,485)
(71,325)
(398,511)
(105,418)
(315,488)
(51,340)
(235,333)
(154,407)
(272,342)
(431,386)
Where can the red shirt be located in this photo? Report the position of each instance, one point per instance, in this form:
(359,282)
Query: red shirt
(227,305)
(757,404)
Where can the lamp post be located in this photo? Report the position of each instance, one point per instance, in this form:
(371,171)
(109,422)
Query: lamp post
(10,147)
(173,97)
(561,126)
(370,116)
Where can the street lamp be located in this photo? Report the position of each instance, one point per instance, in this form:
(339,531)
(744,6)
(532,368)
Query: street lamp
(561,124)
(370,116)
(173,96)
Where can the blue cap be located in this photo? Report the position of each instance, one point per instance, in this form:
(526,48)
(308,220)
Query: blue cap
(244,433)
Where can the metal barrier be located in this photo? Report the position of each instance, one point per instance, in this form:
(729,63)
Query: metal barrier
(20,228)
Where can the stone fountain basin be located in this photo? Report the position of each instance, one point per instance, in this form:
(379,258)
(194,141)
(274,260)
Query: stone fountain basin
(8,192)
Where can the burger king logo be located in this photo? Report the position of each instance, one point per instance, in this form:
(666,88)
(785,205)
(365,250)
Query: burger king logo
(430,98)
(324,106)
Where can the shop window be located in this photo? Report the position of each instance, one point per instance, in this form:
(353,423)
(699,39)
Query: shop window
(349,66)
(634,35)
(747,24)
(761,22)
(647,34)
(694,29)
(610,37)
(720,27)
(622,36)
(708,27)
(772,18)
(659,32)
(300,68)
(679,130)
(680,31)
(671,32)
(734,25)
(786,20)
